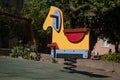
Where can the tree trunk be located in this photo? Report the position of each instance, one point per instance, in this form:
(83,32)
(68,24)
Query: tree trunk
(116,46)
(73,20)
(5,42)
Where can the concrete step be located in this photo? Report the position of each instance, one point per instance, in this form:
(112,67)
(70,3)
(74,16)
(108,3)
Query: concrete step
(46,58)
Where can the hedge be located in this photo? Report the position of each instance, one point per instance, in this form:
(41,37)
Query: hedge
(112,57)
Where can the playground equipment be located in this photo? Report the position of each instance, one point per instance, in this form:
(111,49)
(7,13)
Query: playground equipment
(28,20)
(66,43)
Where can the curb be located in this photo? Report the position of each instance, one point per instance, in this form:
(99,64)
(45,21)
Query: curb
(98,64)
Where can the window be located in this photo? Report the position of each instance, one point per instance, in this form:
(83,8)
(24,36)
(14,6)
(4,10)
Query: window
(105,43)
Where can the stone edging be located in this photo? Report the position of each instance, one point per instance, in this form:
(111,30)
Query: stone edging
(98,64)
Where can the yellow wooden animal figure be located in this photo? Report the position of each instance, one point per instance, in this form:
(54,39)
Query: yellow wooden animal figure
(72,43)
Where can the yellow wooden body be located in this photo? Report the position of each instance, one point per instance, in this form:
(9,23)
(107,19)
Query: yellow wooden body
(60,38)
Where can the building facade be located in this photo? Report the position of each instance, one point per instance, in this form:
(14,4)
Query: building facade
(103,47)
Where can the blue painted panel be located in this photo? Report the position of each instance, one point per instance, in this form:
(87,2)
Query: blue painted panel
(56,21)
(83,52)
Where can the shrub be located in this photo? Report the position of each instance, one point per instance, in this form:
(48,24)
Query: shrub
(54,60)
(20,51)
(24,52)
(38,57)
(14,52)
(33,48)
(112,57)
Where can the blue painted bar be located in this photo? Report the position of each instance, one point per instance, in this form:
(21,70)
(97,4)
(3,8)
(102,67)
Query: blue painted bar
(83,52)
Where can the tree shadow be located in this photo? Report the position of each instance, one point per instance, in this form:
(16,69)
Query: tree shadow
(90,74)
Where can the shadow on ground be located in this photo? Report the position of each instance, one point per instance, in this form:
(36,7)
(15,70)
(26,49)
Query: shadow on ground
(90,74)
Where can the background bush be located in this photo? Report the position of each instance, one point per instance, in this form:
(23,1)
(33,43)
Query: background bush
(20,51)
(112,57)
(24,52)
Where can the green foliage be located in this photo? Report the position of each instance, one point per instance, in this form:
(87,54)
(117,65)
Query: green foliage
(112,57)
(20,51)
(33,48)
(111,19)
(11,27)
(37,10)
(54,60)
(38,57)
(14,52)
(8,23)
(24,52)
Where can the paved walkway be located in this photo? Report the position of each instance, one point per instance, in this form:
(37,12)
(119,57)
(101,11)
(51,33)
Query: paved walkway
(100,67)
(21,69)
(95,66)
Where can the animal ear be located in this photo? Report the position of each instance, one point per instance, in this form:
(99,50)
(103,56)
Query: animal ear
(56,23)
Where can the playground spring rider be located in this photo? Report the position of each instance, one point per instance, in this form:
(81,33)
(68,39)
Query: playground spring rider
(66,43)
